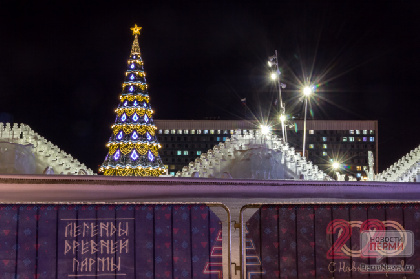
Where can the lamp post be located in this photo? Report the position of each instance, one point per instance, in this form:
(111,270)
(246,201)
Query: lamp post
(275,75)
(307,91)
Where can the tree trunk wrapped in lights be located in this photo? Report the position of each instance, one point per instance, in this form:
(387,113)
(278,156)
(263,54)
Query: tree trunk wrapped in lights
(133,146)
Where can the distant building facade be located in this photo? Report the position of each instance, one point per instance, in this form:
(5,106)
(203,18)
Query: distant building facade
(347,142)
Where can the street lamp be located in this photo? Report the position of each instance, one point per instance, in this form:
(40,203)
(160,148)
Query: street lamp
(275,75)
(335,165)
(265,130)
(307,91)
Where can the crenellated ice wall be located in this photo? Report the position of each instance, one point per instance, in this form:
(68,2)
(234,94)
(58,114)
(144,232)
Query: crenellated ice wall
(407,169)
(253,157)
(23,151)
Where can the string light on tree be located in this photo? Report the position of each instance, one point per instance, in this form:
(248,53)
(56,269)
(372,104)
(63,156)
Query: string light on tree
(133,146)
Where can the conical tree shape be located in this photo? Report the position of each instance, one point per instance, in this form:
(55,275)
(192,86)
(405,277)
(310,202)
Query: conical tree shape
(133,146)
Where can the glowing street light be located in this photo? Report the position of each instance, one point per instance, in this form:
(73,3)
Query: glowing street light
(273,75)
(307,91)
(335,165)
(265,130)
(282,117)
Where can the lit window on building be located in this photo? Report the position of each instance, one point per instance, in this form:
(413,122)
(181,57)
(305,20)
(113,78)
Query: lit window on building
(364,138)
(172,173)
(358,168)
(358,175)
(160,131)
(185,132)
(224,138)
(311,132)
(324,138)
(173,132)
(178,152)
(211,132)
(324,153)
(179,132)
(372,139)
(351,138)
(166,132)
(206,132)
(198,152)
(218,132)
(225,132)
(243,132)
(372,132)
(232,132)
(324,146)
(185,152)
(198,132)
(192,132)
(218,138)
(311,145)
(357,132)
(351,132)
(344,138)
(364,132)
(171,167)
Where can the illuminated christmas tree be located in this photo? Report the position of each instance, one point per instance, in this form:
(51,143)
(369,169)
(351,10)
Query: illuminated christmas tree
(133,147)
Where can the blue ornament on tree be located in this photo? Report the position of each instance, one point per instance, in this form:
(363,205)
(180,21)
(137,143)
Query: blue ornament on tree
(150,156)
(117,155)
(134,155)
(134,136)
(148,136)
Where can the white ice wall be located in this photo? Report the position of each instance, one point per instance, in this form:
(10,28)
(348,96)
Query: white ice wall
(253,157)
(407,169)
(22,137)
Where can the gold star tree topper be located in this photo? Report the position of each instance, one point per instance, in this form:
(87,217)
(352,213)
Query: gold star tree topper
(136,29)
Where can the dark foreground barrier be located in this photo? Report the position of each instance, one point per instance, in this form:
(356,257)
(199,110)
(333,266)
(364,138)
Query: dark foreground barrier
(109,241)
(324,241)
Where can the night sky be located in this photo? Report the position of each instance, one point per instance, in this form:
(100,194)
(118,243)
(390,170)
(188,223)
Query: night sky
(63,62)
